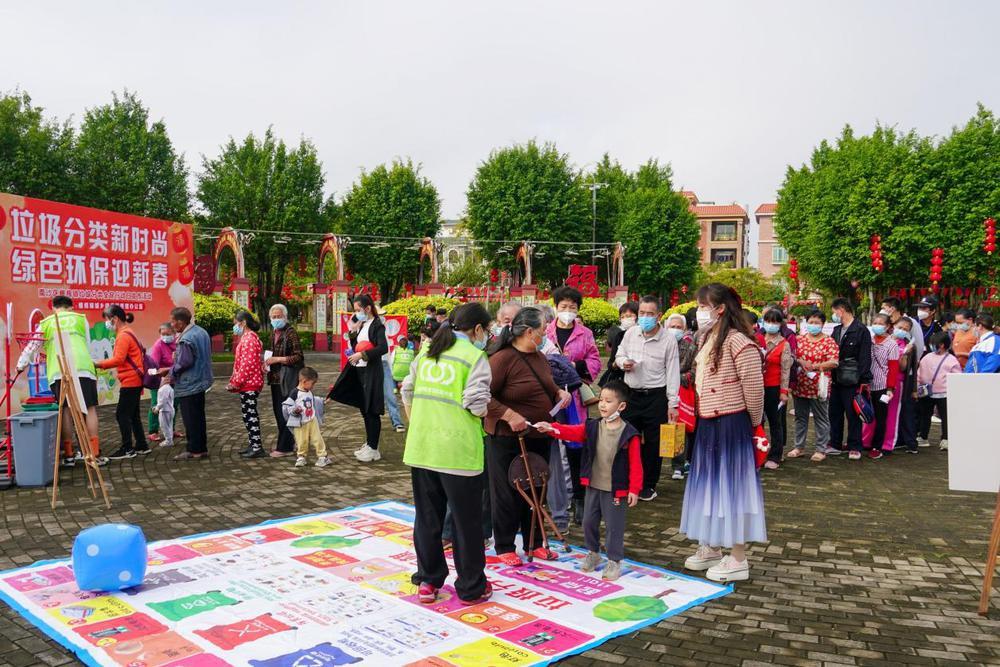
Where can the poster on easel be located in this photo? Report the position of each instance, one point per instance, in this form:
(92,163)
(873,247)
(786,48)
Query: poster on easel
(97,258)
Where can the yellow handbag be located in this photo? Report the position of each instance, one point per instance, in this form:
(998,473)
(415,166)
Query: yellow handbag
(672,440)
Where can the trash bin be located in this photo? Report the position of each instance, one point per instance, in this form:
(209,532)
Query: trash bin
(34,437)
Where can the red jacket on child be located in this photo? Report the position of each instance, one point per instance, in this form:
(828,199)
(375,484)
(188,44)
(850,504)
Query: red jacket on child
(626,470)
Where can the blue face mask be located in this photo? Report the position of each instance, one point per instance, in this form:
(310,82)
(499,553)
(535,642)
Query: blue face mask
(835,318)
(901,334)
(677,333)
(814,329)
(480,344)
(277,323)
(236,330)
(361,316)
(878,329)
(771,327)
(647,322)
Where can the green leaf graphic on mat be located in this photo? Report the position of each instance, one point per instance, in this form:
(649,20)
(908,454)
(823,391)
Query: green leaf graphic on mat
(630,608)
(325,542)
(181,608)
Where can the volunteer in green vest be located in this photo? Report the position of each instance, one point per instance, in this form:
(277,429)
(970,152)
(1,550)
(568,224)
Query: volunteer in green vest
(445,395)
(76,335)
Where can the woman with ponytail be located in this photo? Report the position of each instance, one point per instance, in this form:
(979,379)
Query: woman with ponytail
(723,500)
(446,395)
(127,359)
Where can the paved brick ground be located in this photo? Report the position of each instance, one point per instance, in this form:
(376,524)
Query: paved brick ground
(870,563)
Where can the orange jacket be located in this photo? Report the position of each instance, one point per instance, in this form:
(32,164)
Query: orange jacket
(126,348)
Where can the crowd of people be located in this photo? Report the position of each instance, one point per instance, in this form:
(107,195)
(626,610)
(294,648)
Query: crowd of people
(476,389)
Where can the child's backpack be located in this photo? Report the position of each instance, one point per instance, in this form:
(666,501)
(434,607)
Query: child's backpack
(401,361)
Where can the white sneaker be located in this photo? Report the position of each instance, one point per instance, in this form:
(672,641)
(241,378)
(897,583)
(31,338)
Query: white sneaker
(367,454)
(400,429)
(678,474)
(361,449)
(590,562)
(729,569)
(300,462)
(704,558)
(923,442)
(943,446)
(322,462)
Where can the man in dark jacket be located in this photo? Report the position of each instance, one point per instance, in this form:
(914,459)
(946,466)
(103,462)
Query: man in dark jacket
(854,370)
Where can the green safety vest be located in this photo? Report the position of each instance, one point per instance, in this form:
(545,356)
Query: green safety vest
(77,333)
(401,363)
(443,434)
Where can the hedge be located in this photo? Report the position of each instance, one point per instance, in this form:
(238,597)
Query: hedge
(415,308)
(682,308)
(215,313)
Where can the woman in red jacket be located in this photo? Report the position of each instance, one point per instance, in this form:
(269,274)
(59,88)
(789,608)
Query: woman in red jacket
(248,379)
(127,360)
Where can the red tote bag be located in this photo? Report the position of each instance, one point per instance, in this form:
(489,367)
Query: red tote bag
(686,408)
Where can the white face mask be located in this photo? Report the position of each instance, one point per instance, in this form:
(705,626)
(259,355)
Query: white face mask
(706,318)
(167,339)
(613,417)
(923,314)
(627,323)
(566,316)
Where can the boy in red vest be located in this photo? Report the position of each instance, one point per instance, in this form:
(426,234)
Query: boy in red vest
(611,469)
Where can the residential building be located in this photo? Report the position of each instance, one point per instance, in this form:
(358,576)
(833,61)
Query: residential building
(724,234)
(455,245)
(771,255)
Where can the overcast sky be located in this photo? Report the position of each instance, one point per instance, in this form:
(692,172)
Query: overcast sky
(729,93)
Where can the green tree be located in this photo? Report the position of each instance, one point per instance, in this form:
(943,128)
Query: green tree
(610,198)
(660,232)
(529,192)
(123,162)
(469,272)
(35,152)
(260,184)
(749,283)
(393,201)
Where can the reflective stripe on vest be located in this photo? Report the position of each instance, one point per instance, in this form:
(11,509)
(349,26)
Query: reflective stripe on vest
(443,434)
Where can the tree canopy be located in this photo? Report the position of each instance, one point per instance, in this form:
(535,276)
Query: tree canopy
(389,201)
(36,153)
(123,162)
(263,185)
(914,192)
(529,192)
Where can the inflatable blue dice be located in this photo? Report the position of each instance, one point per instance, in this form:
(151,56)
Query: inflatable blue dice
(109,557)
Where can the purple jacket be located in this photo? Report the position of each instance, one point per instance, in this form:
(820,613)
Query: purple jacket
(162,353)
(581,351)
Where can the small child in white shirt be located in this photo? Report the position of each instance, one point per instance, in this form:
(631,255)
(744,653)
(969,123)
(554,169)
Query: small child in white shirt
(304,415)
(164,409)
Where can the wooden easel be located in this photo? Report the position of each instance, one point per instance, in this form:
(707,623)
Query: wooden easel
(69,402)
(991,561)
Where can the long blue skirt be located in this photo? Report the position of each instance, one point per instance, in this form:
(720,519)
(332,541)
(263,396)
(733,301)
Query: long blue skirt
(723,500)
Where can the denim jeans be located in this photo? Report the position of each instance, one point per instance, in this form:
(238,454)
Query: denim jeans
(389,391)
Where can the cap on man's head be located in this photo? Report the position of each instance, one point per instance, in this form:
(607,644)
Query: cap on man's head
(930,302)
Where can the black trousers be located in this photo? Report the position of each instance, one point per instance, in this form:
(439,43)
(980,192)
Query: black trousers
(193,413)
(286,442)
(646,410)
(841,407)
(927,405)
(881,417)
(373,428)
(129,422)
(573,456)
(510,512)
(433,494)
(775,422)
(908,408)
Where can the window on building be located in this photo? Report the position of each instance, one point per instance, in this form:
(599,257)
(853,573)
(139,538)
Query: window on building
(778,255)
(723,231)
(727,256)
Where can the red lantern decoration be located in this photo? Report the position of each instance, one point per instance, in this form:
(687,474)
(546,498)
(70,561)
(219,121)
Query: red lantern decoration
(494,276)
(793,270)
(875,246)
(990,237)
(937,262)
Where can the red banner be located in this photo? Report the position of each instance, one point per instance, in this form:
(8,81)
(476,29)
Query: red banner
(96,258)
(395,333)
